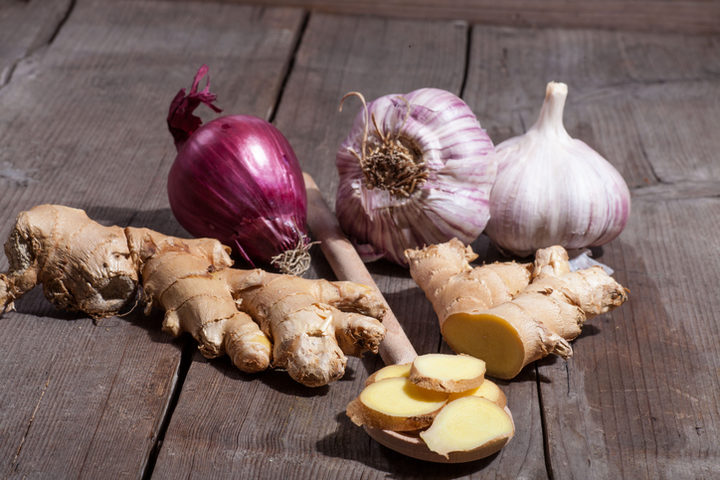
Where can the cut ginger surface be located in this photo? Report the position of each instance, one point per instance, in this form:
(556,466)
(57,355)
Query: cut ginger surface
(469,424)
(390,371)
(488,337)
(487,389)
(435,424)
(447,373)
(395,404)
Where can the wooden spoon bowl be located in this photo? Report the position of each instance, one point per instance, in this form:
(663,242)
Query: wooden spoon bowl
(396,347)
(410,444)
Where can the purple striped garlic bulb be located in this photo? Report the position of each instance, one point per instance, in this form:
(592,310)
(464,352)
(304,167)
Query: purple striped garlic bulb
(552,189)
(416,169)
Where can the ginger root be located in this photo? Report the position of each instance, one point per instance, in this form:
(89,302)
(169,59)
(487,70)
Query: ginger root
(498,320)
(257,318)
(452,285)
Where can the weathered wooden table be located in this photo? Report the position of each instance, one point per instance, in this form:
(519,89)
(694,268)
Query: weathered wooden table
(84,90)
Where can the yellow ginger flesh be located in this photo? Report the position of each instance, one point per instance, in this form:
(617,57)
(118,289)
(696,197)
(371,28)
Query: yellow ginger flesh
(487,389)
(469,424)
(488,337)
(390,371)
(395,404)
(447,373)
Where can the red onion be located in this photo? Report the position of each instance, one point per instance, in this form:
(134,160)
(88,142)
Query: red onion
(237,179)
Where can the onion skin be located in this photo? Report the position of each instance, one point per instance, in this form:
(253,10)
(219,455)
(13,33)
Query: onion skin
(452,202)
(236,179)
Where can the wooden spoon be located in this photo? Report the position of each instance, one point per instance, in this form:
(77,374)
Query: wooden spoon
(396,347)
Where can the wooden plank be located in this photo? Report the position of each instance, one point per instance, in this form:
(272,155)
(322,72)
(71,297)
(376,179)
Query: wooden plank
(81,400)
(275,428)
(640,397)
(695,16)
(646,102)
(83,124)
(25,27)
(379,57)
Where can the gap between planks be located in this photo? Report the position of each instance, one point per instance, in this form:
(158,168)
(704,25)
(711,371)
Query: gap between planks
(14,464)
(7,78)
(190,347)
(691,16)
(186,356)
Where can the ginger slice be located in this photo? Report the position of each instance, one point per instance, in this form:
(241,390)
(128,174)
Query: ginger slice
(395,404)
(390,371)
(469,424)
(447,373)
(487,389)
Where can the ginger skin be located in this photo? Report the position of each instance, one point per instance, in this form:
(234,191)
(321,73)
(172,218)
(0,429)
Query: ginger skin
(96,277)
(257,318)
(529,323)
(452,285)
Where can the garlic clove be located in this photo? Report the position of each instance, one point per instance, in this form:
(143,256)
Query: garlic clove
(552,189)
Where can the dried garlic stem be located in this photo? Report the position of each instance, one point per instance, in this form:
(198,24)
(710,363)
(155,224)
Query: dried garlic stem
(392,163)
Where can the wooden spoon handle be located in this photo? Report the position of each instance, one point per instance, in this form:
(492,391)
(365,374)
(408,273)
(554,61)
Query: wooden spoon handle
(347,265)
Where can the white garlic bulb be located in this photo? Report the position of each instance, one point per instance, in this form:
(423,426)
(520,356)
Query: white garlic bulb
(552,189)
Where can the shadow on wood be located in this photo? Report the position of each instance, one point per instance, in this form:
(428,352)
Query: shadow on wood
(346,440)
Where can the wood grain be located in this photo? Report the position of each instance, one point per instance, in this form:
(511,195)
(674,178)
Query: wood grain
(82,115)
(646,102)
(83,124)
(78,399)
(695,16)
(26,27)
(279,428)
(640,397)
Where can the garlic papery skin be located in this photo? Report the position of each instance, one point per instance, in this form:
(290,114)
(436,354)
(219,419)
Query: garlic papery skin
(552,189)
(416,169)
